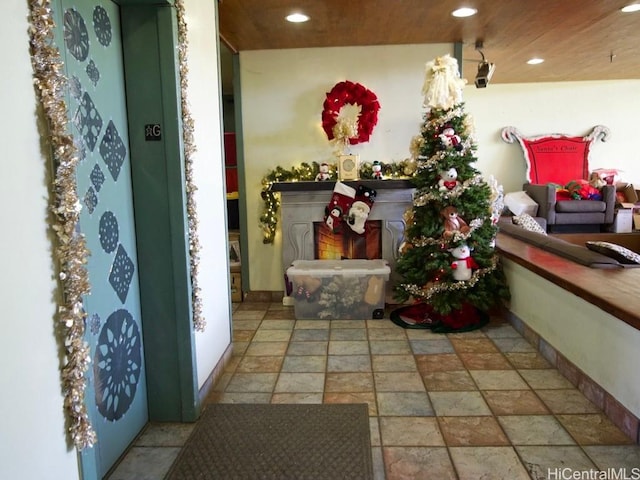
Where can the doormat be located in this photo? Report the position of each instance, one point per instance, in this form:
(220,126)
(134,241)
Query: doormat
(277,442)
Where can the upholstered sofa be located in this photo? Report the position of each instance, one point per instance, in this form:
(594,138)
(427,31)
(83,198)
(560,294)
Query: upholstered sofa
(592,215)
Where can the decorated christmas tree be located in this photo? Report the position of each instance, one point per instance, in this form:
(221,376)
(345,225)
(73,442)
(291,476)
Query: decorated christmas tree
(448,261)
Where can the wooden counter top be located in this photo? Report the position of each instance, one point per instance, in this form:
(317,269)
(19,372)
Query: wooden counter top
(616,291)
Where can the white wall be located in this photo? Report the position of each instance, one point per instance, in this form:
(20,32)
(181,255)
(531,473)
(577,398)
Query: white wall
(282,96)
(572,108)
(32,437)
(283,92)
(602,346)
(204,100)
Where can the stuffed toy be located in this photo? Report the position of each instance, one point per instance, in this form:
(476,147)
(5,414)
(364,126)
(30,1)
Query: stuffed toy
(448,179)
(323,174)
(463,264)
(449,138)
(360,208)
(358,214)
(377,170)
(374,295)
(453,222)
(306,287)
(610,176)
(596,181)
(583,190)
(340,203)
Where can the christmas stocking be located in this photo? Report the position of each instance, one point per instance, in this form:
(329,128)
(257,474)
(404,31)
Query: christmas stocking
(339,206)
(360,209)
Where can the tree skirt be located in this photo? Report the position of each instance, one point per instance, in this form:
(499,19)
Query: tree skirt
(422,316)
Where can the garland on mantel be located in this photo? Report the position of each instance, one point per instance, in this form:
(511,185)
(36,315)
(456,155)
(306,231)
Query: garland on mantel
(307,172)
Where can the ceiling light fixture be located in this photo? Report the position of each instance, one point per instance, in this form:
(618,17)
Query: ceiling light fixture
(464,12)
(535,61)
(297,18)
(485,69)
(634,7)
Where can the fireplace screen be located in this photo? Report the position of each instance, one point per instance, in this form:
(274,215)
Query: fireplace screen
(347,244)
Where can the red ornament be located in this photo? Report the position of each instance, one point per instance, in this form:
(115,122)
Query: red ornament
(344,93)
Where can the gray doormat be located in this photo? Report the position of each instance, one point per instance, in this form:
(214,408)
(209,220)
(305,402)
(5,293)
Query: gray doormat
(277,442)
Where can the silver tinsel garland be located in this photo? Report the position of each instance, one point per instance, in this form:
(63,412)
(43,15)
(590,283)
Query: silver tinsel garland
(199,323)
(431,288)
(71,250)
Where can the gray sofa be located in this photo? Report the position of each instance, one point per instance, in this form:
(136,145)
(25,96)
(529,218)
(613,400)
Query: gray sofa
(576,253)
(571,215)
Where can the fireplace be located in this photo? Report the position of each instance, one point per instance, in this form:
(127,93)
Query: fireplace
(303,204)
(347,244)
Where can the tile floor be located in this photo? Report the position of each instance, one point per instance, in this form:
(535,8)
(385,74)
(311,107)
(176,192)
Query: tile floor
(476,405)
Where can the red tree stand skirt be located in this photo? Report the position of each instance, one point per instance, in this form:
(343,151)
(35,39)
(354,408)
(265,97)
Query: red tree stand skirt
(421,315)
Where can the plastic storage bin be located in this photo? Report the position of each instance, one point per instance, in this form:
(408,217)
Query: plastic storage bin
(338,289)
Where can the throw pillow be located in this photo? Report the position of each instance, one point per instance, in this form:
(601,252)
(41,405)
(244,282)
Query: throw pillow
(529,223)
(617,252)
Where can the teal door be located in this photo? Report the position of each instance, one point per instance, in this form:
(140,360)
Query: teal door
(89,39)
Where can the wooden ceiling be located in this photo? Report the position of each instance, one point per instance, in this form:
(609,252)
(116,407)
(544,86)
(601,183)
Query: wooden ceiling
(579,40)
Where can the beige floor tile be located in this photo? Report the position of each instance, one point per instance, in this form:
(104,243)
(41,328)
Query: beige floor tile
(567,401)
(473,345)
(449,381)
(521,360)
(485,361)
(315,398)
(468,431)
(398,382)
(495,463)
(593,429)
(514,402)
(545,461)
(458,404)
(545,379)
(498,380)
(534,430)
(441,362)
(418,463)
(354,397)
(393,363)
(349,382)
(264,364)
(410,432)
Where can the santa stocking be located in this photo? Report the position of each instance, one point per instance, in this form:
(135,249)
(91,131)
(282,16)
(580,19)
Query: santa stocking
(338,207)
(360,209)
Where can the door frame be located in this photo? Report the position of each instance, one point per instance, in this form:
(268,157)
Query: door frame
(152,81)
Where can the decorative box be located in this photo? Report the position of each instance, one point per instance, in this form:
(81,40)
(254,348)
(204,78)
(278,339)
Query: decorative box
(339,289)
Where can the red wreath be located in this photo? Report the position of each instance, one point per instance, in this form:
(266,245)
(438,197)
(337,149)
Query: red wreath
(344,93)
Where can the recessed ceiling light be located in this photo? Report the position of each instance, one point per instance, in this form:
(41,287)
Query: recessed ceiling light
(297,18)
(535,61)
(634,7)
(464,12)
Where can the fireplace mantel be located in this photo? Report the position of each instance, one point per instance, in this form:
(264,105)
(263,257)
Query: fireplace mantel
(303,203)
(378,185)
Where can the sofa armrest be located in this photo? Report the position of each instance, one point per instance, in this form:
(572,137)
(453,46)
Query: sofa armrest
(545,197)
(609,198)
